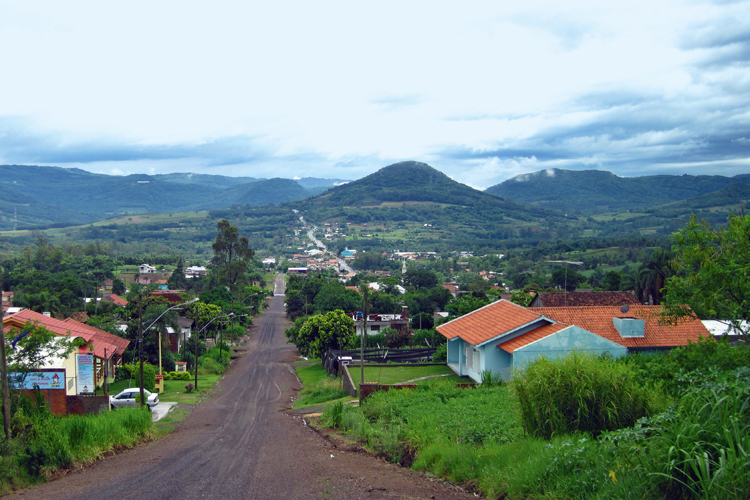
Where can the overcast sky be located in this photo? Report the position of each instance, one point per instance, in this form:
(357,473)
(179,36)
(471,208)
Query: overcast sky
(481,90)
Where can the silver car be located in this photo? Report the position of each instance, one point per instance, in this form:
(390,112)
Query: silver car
(128,398)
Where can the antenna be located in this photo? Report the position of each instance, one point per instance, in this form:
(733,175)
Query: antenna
(566,262)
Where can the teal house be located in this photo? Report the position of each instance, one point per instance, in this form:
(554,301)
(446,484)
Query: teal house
(503,337)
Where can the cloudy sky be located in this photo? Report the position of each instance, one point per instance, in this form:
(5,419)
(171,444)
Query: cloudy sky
(481,90)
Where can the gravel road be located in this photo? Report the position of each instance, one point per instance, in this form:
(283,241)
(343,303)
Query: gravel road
(239,443)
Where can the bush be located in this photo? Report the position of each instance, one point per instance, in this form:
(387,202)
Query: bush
(581,393)
(189,387)
(132,371)
(441,354)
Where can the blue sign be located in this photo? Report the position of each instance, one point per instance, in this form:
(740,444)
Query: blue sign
(44,380)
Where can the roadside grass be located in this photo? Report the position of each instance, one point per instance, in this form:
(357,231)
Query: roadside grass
(318,387)
(168,424)
(396,374)
(174,390)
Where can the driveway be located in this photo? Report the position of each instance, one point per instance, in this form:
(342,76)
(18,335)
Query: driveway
(240,443)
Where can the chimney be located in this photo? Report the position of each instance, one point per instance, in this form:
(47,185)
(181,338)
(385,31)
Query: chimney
(404,312)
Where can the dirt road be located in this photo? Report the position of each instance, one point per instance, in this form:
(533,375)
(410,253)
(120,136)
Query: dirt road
(240,444)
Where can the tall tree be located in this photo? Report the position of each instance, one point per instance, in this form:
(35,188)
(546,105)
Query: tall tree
(712,272)
(232,253)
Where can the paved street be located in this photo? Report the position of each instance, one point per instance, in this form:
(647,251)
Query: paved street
(239,443)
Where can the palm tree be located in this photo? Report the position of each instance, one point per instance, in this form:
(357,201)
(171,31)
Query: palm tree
(653,274)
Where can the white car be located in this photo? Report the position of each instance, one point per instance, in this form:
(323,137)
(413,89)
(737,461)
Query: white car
(128,398)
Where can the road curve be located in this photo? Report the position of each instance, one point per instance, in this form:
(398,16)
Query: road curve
(239,443)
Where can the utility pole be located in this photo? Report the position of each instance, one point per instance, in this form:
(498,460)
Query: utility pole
(140,346)
(365,297)
(197,333)
(4,368)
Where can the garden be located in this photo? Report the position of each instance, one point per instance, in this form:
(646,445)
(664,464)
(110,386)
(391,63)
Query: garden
(661,425)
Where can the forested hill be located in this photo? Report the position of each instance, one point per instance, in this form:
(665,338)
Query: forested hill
(598,190)
(403,182)
(415,191)
(39,195)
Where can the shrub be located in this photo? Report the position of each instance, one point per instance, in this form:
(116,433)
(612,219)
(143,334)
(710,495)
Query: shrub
(581,393)
(395,339)
(441,354)
(189,387)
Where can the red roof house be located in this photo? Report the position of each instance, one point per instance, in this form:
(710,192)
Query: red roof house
(502,337)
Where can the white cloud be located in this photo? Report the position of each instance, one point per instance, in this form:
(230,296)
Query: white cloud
(482,91)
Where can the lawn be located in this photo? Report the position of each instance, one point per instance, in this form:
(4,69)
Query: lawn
(396,374)
(174,390)
(317,386)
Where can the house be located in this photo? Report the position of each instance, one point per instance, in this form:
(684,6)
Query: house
(269,262)
(377,322)
(178,339)
(116,300)
(195,271)
(173,296)
(348,254)
(7,300)
(579,299)
(107,348)
(503,337)
(452,288)
(146,269)
(148,278)
(297,270)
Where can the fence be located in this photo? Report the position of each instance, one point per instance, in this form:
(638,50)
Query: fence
(402,356)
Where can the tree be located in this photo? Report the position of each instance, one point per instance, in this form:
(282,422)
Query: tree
(567,279)
(231,254)
(653,274)
(326,331)
(420,279)
(118,286)
(465,304)
(334,296)
(712,272)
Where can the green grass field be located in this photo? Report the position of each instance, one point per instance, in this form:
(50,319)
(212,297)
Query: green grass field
(396,374)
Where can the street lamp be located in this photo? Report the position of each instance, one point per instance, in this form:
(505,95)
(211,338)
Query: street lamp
(142,331)
(197,336)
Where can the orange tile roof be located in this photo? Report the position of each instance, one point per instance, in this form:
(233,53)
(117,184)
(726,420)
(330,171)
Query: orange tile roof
(489,322)
(598,320)
(579,299)
(532,336)
(70,327)
(117,300)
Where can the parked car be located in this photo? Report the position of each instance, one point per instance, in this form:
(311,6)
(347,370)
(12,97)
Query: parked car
(128,398)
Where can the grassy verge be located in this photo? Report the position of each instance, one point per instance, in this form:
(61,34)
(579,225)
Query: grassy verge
(566,429)
(318,387)
(397,374)
(44,444)
(174,390)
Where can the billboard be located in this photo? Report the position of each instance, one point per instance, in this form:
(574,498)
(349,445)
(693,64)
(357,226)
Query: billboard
(85,364)
(44,380)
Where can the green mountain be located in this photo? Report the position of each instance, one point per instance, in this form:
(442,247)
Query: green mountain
(263,192)
(216,181)
(407,181)
(53,195)
(590,191)
(417,192)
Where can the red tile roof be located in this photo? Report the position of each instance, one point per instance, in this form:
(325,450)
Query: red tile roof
(70,327)
(450,288)
(532,336)
(579,299)
(598,320)
(488,322)
(117,300)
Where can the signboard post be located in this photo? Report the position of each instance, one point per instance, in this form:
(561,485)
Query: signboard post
(85,374)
